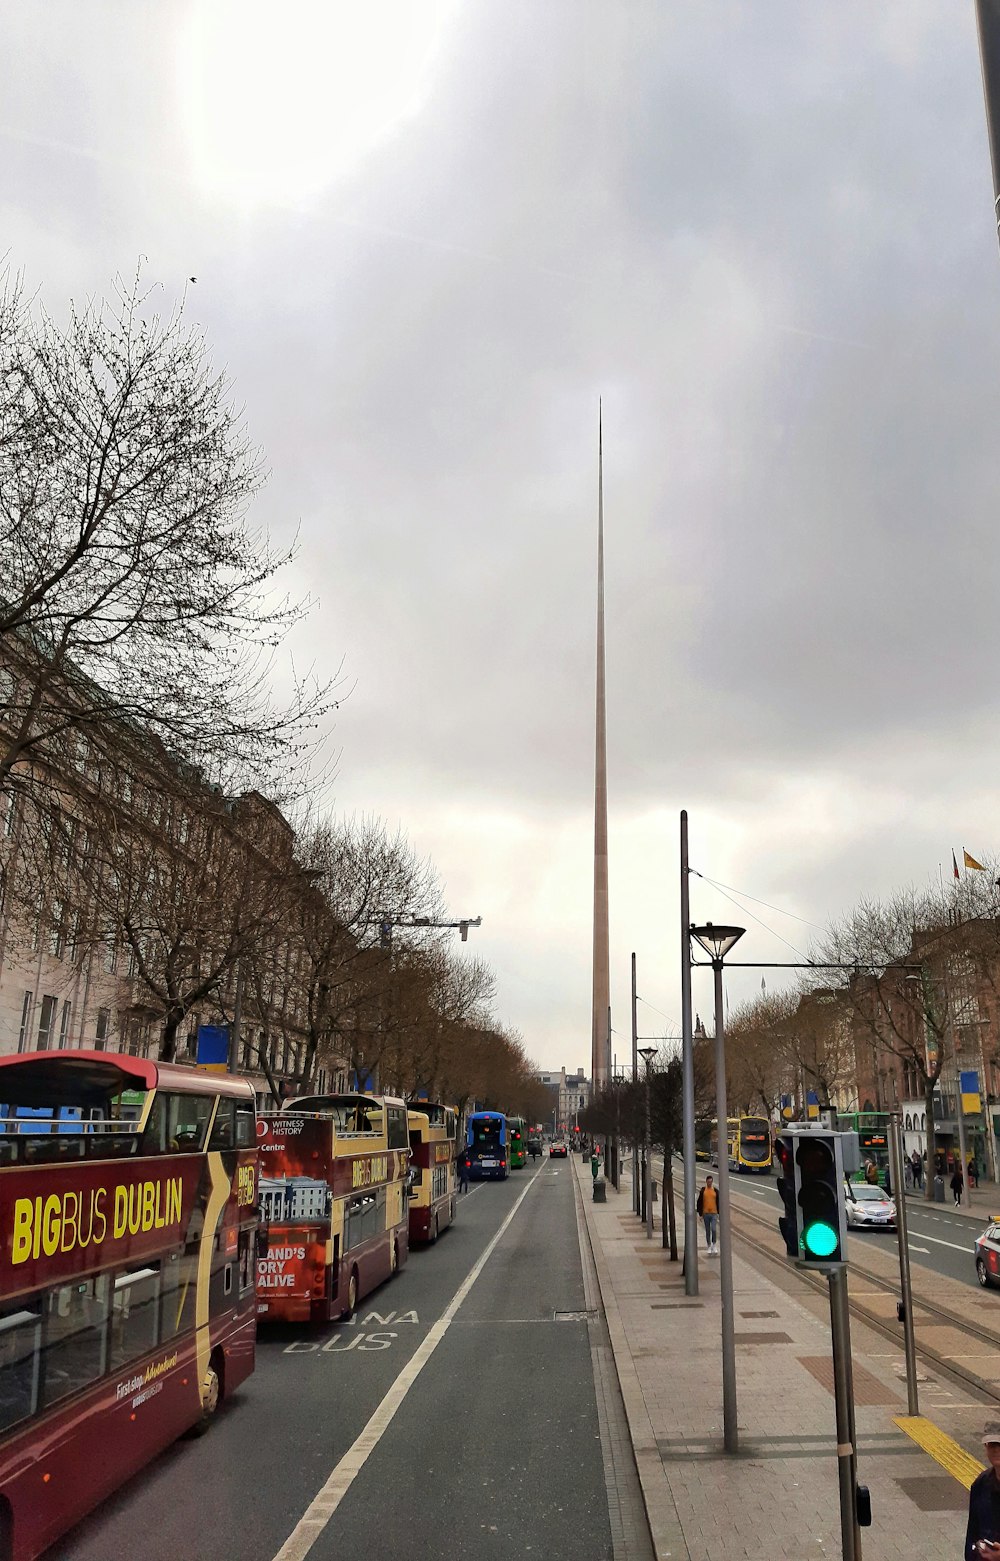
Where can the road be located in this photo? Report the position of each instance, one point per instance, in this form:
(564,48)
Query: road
(494,1450)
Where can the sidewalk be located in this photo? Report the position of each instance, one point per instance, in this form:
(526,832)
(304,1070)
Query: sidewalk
(778,1497)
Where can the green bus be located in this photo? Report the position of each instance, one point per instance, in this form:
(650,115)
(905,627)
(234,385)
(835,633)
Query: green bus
(872,1128)
(517,1139)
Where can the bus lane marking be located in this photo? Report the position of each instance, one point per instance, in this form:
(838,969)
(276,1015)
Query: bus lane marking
(331,1346)
(326,1501)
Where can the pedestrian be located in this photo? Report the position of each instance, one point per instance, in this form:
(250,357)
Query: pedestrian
(463,1172)
(982,1537)
(917,1168)
(973,1172)
(957,1183)
(708,1209)
(871,1173)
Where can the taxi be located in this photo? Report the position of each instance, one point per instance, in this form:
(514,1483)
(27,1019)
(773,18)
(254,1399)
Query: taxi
(987,1251)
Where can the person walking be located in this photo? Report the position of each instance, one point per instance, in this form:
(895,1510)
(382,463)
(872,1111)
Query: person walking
(982,1536)
(708,1209)
(973,1172)
(916,1166)
(871,1173)
(957,1184)
(463,1172)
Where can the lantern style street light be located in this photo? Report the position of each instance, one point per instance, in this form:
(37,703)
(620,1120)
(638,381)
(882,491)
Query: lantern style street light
(717,942)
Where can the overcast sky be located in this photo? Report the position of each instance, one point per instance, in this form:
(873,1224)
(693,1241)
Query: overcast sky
(427,236)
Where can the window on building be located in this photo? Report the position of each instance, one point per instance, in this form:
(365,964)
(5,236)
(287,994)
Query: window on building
(9,814)
(24,1039)
(46,1022)
(57,929)
(103,1028)
(109,958)
(67,1013)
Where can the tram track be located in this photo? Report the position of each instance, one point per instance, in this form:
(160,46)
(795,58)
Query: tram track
(933,1311)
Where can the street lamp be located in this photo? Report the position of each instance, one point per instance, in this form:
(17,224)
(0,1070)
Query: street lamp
(717,942)
(647,1053)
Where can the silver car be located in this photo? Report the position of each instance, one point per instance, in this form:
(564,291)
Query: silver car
(869,1207)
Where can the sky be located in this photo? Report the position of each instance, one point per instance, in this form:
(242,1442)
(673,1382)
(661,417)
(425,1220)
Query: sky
(428,237)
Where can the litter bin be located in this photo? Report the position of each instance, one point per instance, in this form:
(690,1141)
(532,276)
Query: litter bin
(595,1165)
(939,1189)
(600,1189)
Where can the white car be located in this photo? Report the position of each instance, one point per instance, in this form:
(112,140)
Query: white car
(869,1207)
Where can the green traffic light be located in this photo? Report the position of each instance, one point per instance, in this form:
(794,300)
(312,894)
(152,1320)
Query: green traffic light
(820,1239)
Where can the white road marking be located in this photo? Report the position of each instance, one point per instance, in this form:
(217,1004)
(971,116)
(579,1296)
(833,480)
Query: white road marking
(326,1501)
(966,1247)
(925,1250)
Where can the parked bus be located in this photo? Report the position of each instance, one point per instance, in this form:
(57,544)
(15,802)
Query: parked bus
(486,1145)
(333,1173)
(433,1137)
(128,1206)
(517,1138)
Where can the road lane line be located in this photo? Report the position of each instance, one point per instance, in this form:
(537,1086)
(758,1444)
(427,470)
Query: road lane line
(967,1247)
(325,1503)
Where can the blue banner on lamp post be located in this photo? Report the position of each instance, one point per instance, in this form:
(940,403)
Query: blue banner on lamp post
(213,1048)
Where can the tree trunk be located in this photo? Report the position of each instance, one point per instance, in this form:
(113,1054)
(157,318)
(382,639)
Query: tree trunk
(168,1040)
(668,1215)
(931,1140)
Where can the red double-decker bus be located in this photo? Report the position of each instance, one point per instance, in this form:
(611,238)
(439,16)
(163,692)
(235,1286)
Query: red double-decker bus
(433,1139)
(333,1174)
(127,1241)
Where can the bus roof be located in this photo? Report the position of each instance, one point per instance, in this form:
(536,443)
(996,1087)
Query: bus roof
(89,1078)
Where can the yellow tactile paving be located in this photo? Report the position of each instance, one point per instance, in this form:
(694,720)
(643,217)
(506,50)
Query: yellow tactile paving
(942,1449)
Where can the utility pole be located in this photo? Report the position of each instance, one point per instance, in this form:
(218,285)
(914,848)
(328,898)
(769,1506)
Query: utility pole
(600,1035)
(687,1059)
(636,1195)
(648,1053)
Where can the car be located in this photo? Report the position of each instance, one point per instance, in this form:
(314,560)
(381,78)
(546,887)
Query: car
(558,1148)
(987,1250)
(869,1207)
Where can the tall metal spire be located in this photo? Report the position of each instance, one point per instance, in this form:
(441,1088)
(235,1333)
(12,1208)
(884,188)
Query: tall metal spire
(601,1013)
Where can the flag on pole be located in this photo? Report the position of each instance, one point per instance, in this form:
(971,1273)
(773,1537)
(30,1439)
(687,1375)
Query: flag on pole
(954,865)
(970,861)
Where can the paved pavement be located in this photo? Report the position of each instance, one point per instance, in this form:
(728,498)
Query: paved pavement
(779,1496)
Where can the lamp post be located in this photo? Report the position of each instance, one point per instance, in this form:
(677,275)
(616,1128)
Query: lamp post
(647,1053)
(717,943)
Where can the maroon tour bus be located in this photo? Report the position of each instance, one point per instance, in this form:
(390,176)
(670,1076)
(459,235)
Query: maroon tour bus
(433,1137)
(128,1214)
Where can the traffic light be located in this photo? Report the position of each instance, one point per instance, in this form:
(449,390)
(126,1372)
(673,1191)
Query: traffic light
(784,1149)
(819,1193)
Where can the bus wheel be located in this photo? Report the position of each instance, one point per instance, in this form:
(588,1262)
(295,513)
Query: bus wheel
(394,1261)
(352,1295)
(6,1532)
(434,1230)
(211,1396)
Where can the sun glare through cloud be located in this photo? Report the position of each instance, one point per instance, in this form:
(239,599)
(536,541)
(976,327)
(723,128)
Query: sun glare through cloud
(280,103)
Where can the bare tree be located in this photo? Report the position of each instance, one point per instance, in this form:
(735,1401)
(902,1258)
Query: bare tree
(132,588)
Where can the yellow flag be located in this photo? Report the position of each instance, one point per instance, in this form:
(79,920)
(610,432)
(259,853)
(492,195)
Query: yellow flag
(970,861)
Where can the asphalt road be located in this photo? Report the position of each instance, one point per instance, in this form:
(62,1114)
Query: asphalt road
(494,1451)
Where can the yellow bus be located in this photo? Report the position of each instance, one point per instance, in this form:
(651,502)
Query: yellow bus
(433,1136)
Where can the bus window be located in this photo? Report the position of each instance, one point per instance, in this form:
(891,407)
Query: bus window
(247,1265)
(187,1122)
(20,1341)
(397,1127)
(154,1135)
(134,1314)
(246,1125)
(75,1324)
(179,1277)
(224,1126)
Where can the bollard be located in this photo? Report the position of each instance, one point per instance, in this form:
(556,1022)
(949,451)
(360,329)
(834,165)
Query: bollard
(600,1189)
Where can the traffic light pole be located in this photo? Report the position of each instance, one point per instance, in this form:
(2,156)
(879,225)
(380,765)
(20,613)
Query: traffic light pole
(906,1293)
(843,1384)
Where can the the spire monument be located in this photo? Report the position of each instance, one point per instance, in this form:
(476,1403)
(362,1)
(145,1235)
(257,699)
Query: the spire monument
(601,1015)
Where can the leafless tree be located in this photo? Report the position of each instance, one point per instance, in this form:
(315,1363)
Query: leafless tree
(132,587)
